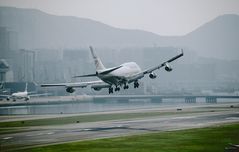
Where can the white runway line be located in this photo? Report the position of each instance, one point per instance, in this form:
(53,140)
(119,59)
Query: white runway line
(86,129)
(232,118)
(186,117)
(50,133)
(6,138)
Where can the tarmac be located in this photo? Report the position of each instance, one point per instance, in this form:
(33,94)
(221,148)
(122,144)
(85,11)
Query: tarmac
(45,135)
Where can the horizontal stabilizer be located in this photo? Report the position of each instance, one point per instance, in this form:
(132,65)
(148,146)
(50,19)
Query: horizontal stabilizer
(109,70)
(87,75)
(96,74)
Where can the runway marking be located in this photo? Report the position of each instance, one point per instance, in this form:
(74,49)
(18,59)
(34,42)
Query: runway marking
(232,118)
(87,129)
(6,138)
(50,133)
(186,117)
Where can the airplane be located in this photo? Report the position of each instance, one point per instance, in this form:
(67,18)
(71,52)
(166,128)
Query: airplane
(21,95)
(117,77)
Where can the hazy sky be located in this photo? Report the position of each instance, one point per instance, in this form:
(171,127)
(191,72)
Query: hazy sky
(164,17)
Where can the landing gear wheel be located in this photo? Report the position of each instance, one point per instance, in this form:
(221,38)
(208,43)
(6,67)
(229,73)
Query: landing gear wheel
(111,90)
(136,84)
(126,87)
(117,89)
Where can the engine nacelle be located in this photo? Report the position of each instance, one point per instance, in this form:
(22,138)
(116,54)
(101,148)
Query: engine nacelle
(70,90)
(97,89)
(168,67)
(27,98)
(152,75)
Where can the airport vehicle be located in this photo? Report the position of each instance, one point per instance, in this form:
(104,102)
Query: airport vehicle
(21,95)
(117,77)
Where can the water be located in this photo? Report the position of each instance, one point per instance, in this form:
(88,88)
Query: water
(72,108)
(87,107)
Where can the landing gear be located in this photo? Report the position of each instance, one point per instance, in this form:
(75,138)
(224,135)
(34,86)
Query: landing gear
(136,84)
(117,89)
(111,90)
(126,87)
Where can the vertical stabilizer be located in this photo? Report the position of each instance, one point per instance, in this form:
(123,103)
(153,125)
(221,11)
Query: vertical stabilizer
(98,63)
(26,88)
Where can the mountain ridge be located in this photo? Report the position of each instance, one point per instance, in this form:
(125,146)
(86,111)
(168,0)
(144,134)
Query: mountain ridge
(37,29)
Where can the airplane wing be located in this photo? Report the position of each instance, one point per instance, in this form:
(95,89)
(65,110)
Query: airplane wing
(96,85)
(4,96)
(163,64)
(150,70)
(38,95)
(73,85)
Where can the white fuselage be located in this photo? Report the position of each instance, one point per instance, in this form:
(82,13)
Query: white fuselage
(121,74)
(20,95)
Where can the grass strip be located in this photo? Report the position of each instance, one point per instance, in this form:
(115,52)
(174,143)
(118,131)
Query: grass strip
(211,139)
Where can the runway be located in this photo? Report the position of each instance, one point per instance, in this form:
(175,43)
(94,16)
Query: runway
(44,135)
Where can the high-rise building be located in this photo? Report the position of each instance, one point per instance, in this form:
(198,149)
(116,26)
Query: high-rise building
(4,68)
(4,43)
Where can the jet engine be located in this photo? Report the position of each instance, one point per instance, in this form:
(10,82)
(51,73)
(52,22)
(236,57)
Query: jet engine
(168,67)
(70,90)
(152,75)
(27,98)
(98,87)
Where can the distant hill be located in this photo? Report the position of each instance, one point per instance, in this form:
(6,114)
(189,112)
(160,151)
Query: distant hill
(217,38)
(36,29)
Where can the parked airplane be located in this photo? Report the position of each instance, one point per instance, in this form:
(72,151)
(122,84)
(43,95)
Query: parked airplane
(120,76)
(21,95)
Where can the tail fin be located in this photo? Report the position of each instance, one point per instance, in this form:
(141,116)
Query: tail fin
(98,63)
(26,87)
